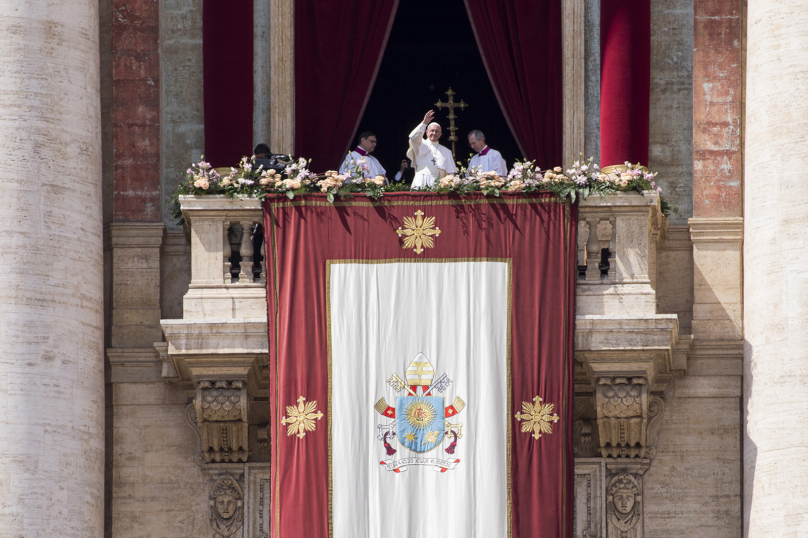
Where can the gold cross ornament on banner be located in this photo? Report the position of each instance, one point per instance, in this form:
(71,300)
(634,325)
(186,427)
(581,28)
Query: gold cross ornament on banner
(451,105)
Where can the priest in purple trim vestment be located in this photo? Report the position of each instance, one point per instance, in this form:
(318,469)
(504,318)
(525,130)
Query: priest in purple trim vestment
(361,155)
(486,158)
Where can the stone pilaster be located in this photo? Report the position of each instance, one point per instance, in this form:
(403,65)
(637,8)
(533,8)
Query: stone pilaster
(717,265)
(51,271)
(573,14)
(135,284)
(775,276)
(282,76)
(262,85)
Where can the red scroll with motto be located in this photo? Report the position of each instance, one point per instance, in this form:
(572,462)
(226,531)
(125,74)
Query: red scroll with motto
(420,352)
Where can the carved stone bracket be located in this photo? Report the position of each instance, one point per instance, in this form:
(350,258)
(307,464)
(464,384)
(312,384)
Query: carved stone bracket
(628,417)
(622,405)
(222,411)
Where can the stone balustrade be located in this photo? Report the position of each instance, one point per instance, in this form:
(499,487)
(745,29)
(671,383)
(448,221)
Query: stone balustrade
(627,226)
(618,331)
(218,290)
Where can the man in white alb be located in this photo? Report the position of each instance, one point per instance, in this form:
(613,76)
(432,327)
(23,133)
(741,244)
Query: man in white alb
(367,143)
(430,160)
(487,159)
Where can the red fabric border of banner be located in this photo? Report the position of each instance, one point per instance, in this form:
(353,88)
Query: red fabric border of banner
(536,231)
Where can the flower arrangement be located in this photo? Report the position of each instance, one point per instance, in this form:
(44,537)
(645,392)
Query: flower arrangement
(582,180)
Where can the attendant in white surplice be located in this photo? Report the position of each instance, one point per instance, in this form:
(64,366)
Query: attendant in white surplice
(486,158)
(430,160)
(372,168)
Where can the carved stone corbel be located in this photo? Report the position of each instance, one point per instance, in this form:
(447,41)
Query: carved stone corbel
(622,407)
(222,412)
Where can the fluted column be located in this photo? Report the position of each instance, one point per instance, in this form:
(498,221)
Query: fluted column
(51,283)
(775,275)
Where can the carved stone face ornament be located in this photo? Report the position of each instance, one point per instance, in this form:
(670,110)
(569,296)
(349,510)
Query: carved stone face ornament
(226,506)
(624,501)
(623,508)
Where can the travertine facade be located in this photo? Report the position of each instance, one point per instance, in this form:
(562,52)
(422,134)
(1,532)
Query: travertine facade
(690,368)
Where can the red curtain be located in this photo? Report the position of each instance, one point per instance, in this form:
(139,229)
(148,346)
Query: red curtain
(520,42)
(625,80)
(227,72)
(338,49)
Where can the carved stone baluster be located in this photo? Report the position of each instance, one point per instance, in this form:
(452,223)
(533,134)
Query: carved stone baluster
(226,253)
(612,250)
(263,263)
(246,274)
(593,250)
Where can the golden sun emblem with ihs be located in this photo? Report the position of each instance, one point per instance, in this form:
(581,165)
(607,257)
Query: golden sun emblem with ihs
(417,232)
(537,417)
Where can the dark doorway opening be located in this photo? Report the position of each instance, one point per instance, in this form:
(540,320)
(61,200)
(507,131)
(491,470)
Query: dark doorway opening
(431,48)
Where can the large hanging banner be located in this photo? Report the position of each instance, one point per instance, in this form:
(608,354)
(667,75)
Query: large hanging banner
(420,353)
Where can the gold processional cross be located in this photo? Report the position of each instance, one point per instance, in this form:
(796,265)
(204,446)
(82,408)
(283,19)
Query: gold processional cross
(451,105)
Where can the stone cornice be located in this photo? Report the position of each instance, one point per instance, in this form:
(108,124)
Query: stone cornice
(716,230)
(134,235)
(233,349)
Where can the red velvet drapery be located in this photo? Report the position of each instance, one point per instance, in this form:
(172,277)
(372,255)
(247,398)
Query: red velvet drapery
(520,42)
(227,72)
(625,80)
(339,45)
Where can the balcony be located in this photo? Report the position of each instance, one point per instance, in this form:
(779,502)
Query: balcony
(622,343)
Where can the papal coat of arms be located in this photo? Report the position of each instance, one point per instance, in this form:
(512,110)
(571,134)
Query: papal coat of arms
(417,424)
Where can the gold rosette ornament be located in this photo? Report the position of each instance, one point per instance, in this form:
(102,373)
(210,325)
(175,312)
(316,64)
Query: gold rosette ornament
(417,232)
(537,417)
(301,418)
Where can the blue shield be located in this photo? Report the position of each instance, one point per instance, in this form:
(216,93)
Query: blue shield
(419,422)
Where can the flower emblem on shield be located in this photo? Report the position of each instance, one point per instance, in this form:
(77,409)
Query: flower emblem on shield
(419,422)
(417,232)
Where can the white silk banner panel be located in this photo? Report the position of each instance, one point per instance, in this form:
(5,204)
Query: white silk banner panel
(382,316)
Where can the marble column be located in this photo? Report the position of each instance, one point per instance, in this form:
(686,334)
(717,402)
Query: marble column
(776,271)
(51,277)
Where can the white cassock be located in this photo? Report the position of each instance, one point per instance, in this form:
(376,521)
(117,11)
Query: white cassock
(430,160)
(374,166)
(489,159)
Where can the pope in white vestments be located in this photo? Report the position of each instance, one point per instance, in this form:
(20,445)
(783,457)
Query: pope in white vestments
(430,160)
(486,159)
(367,143)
